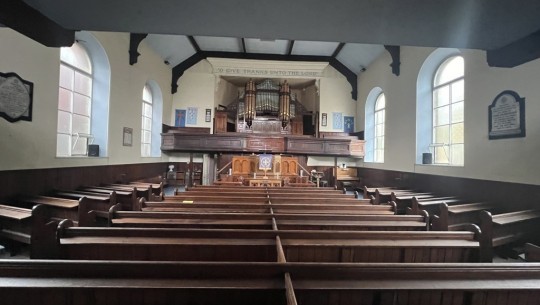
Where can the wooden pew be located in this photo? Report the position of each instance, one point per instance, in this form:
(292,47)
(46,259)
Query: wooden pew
(256,245)
(34,227)
(60,208)
(142,191)
(532,253)
(502,229)
(454,217)
(401,198)
(157,189)
(120,282)
(245,188)
(430,204)
(287,207)
(382,196)
(276,200)
(199,195)
(379,246)
(15,226)
(370,191)
(96,208)
(127,197)
(269,192)
(338,222)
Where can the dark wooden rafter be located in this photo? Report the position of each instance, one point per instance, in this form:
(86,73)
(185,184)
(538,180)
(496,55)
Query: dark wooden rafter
(338,49)
(194,43)
(17,14)
(134,41)
(350,75)
(395,54)
(179,69)
(243,45)
(291,46)
(516,53)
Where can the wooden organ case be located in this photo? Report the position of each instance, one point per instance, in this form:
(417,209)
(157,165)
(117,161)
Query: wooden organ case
(268,108)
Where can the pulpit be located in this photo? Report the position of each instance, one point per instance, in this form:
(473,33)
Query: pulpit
(264,170)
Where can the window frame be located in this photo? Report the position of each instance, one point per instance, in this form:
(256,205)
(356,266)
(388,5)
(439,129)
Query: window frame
(151,105)
(446,148)
(86,136)
(377,136)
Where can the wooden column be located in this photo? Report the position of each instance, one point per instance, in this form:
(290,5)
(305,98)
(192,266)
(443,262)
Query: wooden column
(190,170)
(334,173)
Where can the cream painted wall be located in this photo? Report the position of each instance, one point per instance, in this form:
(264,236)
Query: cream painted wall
(226,93)
(335,96)
(310,98)
(196,88)
(509,160)
(29,145)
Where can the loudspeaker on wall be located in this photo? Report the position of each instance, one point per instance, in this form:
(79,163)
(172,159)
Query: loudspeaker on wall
(93,150)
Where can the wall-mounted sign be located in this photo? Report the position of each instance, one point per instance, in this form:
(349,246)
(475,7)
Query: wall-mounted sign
(337,120)
(127,138)
(191,116)
(15,97)
(180,118)
(507,116)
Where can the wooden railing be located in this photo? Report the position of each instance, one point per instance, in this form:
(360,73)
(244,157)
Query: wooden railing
(241,142)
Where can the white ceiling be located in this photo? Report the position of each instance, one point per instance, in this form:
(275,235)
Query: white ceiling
(177,48)
(316,26)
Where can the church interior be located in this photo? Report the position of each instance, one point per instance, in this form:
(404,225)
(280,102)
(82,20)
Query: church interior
(306,152)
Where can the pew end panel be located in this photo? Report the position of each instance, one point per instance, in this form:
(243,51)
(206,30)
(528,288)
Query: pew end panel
(532,252)
(43,238)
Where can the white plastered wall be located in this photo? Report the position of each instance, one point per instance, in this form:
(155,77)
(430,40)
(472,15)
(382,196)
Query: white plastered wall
(30,145)
(196,88)
(509,160)
(335,96)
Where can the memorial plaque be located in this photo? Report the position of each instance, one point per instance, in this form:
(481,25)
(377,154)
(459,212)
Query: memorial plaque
(507,116)
(15,97)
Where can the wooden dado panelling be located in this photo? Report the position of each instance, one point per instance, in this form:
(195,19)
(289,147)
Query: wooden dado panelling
(40,181)
(511,195)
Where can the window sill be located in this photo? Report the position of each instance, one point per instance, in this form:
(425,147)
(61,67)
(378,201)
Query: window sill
(81,157)
(439,165)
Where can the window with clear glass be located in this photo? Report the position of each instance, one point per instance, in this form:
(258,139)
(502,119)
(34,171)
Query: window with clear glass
(146,130)
(378,146)
(448,112)
(74,102)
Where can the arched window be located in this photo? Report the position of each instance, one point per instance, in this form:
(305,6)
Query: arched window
(146,130)
(74,101)
(83,97)
(152,118)
(374,129)
(440,108)
(448,114)
(380,106)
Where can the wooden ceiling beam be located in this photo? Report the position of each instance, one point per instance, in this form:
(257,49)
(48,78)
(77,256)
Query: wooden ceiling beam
(338,49)
(30,22)
(516,53)
(179,69)
(134,41)
(291,46)
(194,43)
